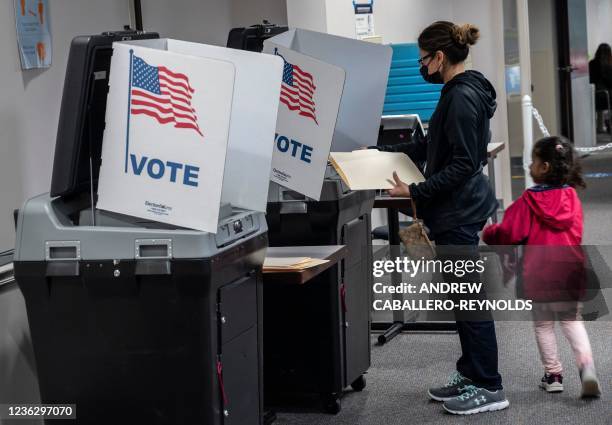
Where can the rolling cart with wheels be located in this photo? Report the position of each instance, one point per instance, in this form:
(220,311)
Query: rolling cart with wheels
(317,336)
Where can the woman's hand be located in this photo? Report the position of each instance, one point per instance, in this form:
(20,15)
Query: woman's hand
(400,189)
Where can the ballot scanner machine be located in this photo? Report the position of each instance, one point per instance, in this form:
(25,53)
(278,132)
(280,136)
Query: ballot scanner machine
(317,335)
(134,321)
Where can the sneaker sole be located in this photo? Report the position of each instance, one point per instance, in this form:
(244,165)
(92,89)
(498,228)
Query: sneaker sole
(590,388)
(492,407)
(434,398)
(552,388)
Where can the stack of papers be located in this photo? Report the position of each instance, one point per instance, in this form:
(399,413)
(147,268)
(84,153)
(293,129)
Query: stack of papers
(290,264)
(371,169)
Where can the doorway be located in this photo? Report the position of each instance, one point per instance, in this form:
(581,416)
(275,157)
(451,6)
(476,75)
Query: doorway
(576,97)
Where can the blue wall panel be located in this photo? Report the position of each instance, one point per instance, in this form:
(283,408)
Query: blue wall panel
(407,92)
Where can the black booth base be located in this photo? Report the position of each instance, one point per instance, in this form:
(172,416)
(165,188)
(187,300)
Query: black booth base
(169,349)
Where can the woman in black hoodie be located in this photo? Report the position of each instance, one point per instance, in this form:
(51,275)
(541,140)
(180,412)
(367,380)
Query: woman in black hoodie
(455,200)
(600,74)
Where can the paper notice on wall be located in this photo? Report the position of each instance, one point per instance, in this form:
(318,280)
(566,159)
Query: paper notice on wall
(33,33)
(364,18)
(364,25)
(311,91)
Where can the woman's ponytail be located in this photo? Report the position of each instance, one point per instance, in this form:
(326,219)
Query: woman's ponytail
(466,34)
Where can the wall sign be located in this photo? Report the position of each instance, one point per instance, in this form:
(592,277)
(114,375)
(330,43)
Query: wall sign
(33,33)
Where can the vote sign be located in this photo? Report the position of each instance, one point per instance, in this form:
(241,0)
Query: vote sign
(164,147)
(310,97)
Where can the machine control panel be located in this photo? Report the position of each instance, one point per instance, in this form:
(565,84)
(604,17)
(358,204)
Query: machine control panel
(235,227)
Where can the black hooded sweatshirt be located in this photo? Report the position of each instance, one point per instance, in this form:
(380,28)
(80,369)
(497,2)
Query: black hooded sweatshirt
(455,191)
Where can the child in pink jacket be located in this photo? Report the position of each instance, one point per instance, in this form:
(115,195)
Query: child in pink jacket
(548,219)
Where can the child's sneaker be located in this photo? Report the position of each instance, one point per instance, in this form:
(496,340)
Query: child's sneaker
(590,383)
(552,382)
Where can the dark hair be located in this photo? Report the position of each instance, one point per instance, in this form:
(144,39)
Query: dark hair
(603,55)
(565,167)
(453,40)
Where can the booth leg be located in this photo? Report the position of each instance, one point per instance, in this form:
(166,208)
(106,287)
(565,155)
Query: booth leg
(394,330)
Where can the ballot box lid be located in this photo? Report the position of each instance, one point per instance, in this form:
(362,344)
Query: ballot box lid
(82,115)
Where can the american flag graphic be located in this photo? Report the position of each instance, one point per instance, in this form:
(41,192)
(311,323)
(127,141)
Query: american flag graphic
(297,91)
(163,95)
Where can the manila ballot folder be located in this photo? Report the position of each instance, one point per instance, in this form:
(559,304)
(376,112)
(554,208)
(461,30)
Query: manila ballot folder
(290,264)
(370,169)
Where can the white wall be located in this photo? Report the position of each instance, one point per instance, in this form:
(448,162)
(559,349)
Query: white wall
(203,21)
(397,21)
(401,21)
(208,21)
(488,57)
(307,14)
(29,105)
(251,12)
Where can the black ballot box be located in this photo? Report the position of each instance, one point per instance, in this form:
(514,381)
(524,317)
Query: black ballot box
(317,335)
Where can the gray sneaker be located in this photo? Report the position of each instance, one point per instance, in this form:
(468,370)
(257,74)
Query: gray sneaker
(590,383)
(477,400)
(455,387)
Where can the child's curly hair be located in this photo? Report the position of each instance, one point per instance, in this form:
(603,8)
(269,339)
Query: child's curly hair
(565,166)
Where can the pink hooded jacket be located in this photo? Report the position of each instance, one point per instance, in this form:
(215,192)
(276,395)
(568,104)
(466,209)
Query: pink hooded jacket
(549,221)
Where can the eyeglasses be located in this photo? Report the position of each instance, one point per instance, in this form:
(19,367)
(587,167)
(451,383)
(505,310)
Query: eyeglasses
(420,61)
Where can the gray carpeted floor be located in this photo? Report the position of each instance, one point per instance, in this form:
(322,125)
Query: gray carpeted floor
(402,370)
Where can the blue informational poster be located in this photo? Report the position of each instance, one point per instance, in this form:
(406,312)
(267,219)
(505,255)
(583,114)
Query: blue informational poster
(33,33)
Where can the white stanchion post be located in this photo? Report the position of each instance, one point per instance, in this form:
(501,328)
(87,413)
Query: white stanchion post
(526,109)
(522,13)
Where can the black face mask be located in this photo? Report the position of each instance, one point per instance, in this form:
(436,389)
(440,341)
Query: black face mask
(435,78)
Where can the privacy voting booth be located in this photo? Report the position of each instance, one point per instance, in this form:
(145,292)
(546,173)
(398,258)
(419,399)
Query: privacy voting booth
(142,283)
(202,157)
(320,343)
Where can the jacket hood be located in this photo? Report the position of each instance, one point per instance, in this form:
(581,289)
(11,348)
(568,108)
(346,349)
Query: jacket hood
(480,85)
(556,207)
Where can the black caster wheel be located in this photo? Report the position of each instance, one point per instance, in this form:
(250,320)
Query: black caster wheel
(269,417)
(359,384)
(332,406)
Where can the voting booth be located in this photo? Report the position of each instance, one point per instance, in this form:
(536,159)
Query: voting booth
(137,315)
(183,96)
(319,341)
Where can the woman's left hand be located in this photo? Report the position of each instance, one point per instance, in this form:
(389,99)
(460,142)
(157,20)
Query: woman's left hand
(400,189)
